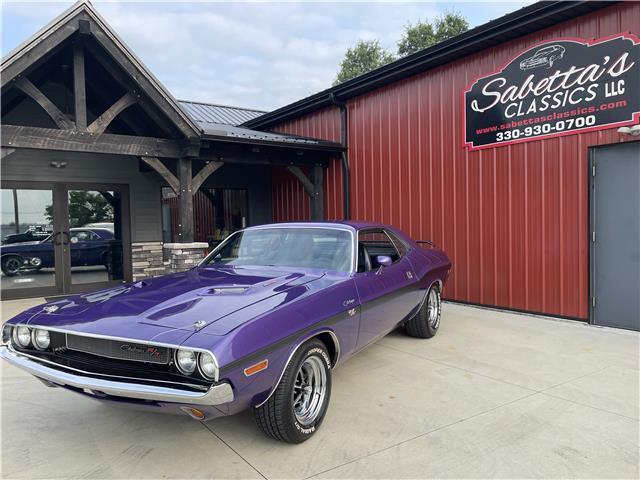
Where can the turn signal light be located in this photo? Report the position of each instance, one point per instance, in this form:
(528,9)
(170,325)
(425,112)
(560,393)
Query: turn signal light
(255,368)
(193,412)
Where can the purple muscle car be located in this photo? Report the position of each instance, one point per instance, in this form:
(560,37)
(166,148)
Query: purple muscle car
(259,324)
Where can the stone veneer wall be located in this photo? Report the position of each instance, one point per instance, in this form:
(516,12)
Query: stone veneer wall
(183,256)
(152,259)
(147,260)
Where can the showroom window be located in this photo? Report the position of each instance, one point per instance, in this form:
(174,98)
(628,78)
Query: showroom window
(217,212)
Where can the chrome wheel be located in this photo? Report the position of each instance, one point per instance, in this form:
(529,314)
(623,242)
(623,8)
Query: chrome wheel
(433,308)
(309,390)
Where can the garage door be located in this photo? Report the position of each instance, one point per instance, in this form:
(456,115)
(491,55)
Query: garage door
(615,221)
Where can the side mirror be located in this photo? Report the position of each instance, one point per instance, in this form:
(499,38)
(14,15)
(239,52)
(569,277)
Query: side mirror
(384,260)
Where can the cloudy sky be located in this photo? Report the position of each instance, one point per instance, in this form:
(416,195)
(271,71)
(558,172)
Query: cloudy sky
(253,54)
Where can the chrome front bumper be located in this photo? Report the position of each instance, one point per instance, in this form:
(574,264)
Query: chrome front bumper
(216,395)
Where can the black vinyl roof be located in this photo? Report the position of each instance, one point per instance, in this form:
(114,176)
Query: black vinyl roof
(516,24)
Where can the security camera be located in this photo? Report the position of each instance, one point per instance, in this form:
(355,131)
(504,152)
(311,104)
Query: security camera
(634,130)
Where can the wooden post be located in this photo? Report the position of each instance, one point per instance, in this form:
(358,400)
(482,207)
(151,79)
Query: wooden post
(79,87)
(317,199)
(186,201)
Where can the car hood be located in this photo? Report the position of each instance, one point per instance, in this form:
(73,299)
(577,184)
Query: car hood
(17,245)
(187,301)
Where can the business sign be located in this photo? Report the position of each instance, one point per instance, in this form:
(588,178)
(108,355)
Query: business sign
(556,88)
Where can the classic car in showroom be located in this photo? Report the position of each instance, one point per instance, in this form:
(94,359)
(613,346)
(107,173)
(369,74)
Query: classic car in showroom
(89,246)
(260,323)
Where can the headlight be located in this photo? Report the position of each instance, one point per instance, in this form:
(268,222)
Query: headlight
(207,365)
(22,336)
(40,339)
(186,361)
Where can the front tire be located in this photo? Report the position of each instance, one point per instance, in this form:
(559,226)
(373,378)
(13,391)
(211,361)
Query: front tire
(425,323)
(299,403)
(11,266)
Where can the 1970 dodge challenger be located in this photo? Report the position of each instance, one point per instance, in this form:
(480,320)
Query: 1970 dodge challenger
(259,324)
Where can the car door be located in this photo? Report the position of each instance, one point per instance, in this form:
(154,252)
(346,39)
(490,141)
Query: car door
(86,248)
(386,294)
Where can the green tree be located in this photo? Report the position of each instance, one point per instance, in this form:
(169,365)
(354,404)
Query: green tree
(425,34)
(85,207)
(362,58)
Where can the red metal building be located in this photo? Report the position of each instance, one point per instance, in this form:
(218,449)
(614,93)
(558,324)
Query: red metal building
(514,218)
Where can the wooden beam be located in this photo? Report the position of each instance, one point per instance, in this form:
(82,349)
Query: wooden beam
(299,174)
(79,86)
(73,141)
(203,174)
(185,201)
(5,152)
(101,123)
(29,89)
(164,172)
(148,84)
(22,62)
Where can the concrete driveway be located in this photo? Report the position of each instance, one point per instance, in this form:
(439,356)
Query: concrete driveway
(494,394)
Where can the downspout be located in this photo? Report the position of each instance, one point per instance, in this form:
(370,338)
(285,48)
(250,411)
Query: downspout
(344,141)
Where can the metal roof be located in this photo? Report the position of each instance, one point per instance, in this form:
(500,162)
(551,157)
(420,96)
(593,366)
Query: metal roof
(236,134)
(209,113)
(526,20)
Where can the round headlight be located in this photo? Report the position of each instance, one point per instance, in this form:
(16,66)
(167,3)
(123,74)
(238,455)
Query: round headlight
(186,361)
(207,365)
(22,336)
(40,339)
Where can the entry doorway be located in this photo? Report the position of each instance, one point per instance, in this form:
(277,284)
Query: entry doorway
(615,242)
(62,238)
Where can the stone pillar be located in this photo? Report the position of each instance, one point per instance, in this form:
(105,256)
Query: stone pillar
(183,256)
(147,260)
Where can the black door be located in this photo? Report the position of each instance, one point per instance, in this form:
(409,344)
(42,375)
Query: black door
(615,242)
(63,238)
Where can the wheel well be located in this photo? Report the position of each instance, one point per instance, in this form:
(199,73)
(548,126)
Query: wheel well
(9,255)
(330,342)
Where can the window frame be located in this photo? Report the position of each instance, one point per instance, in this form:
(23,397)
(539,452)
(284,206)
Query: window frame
(377,230)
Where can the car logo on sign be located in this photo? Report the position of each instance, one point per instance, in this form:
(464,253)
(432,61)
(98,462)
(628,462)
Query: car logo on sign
(51,308)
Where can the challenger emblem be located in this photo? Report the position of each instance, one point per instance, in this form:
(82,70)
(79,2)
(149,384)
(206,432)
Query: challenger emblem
(153,351)
(346,303)
(51,308)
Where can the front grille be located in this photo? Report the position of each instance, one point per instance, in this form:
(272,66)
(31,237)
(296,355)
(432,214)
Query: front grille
(118,349)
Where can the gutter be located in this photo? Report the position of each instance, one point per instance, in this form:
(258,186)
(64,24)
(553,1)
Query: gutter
(344,155)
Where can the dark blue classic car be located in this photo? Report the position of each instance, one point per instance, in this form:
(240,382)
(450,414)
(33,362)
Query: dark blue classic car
(89,246)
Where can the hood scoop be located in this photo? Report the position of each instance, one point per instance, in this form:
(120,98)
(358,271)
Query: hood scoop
(230,290)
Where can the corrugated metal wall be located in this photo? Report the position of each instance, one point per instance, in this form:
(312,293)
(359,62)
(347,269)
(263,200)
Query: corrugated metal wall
(513,219)
(290,203)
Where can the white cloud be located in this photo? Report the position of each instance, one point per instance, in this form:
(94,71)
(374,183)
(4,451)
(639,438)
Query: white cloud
(261,55)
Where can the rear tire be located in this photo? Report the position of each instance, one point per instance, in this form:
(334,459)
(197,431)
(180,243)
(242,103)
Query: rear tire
(425,323)
(299,403)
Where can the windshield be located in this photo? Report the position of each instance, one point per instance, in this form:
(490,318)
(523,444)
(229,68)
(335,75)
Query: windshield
(320,248)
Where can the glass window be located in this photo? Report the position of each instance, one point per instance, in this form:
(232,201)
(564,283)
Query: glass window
(400,244)
(372,243)
(319,248)
(217,213)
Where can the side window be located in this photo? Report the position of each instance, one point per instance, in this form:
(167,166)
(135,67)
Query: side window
(400,245)
(83,236)
(372,243)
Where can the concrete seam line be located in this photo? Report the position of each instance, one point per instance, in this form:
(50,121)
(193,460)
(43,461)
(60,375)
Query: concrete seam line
(589,406)
(233,450)
(426,433)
